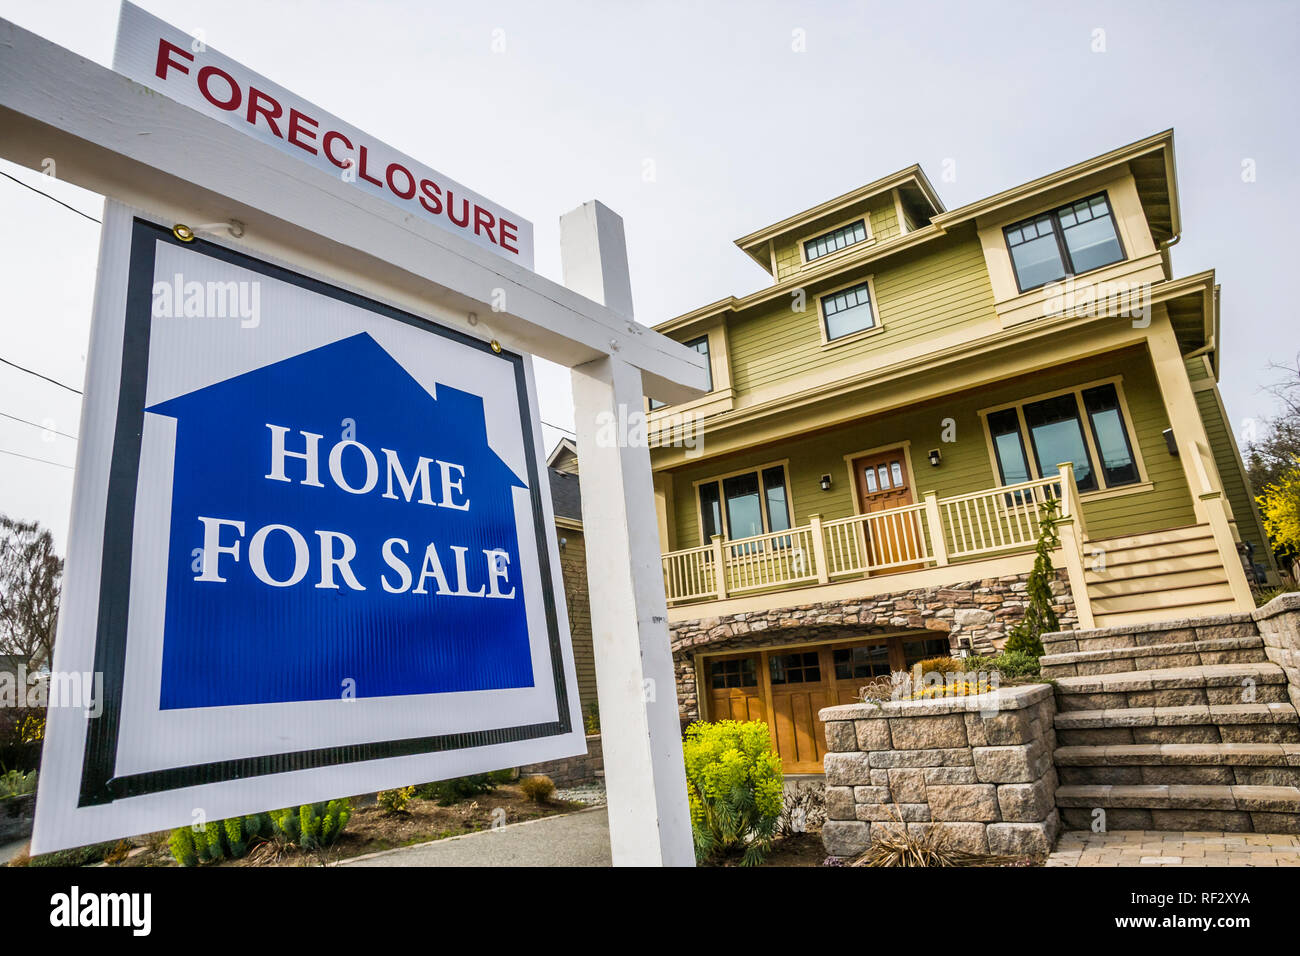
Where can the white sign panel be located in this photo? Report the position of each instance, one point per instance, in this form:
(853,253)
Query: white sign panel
(312,551)
(176,64)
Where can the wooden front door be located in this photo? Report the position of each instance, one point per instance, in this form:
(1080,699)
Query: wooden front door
(883,483)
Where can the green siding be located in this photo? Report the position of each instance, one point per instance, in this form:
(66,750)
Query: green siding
(966,465)
(1235,484)
(932,291)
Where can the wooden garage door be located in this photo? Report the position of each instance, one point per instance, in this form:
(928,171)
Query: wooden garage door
(734,689)
(799,690)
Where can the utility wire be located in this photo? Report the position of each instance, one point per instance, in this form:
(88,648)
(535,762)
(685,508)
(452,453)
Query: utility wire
(37,425)
(46,461)
(23,368)
(41,192)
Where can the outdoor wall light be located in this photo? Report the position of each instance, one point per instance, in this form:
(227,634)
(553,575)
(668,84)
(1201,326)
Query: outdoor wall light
(1170,442)
(935,457)
(826,482)
(564,543)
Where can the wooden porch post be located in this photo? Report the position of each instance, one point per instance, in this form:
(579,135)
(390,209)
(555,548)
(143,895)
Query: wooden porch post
(1069,529)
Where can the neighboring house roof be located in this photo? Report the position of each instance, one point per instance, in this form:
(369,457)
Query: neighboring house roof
(564,456)
(565,495)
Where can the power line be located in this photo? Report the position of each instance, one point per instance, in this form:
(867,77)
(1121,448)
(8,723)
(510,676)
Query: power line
(569,431)
(41,192)
(23,368)
(46,461)
(37,425)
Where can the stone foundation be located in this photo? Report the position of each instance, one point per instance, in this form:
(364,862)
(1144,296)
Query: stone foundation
(572,771)
(984,778)
(972,613)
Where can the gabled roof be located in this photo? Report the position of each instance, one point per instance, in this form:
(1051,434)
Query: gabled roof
(914,189)
(564,452)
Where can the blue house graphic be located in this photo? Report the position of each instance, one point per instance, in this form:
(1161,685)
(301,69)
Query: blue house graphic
(243,641)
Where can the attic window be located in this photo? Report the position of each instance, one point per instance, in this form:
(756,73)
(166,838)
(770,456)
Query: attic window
(835,240)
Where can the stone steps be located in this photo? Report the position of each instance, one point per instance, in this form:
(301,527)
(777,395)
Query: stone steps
(1221,764)
(1114,660)
(1236,808)
(1155,633)
(1250,683)
(1160,614)
(1197,724)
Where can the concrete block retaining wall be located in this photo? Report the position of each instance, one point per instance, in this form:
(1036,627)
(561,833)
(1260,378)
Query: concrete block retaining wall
(978,769)
(1279,625)
(572,771)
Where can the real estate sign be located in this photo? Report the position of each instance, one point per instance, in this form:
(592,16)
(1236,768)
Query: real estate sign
(312,551)
(184,68)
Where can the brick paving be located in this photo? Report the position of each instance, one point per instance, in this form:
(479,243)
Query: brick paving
(1175,848)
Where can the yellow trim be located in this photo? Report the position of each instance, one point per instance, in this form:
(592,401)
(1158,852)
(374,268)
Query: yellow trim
(783,463)
(1102,490)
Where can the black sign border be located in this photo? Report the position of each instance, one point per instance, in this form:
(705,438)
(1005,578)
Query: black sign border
(98,783)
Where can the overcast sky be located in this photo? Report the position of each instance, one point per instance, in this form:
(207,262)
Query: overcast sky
(738,128)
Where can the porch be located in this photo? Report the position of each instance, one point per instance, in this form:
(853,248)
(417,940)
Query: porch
(986,534)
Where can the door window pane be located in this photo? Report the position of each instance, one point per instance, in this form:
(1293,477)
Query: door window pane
(778,510)
(1004,426)
(853,663)
(710,511)
(733,673)
(869,476)
(847,311)
(744,508)
(800,668)
(1035,252)
(884,477)
(1057,436)
(1090,236)
(896,471)
(1108,432)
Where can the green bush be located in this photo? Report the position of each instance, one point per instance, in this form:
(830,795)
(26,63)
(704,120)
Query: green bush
(1040,618)
(311,826)
(735,787)
(15,783)
(1010,664)
(447,792)
(395,800)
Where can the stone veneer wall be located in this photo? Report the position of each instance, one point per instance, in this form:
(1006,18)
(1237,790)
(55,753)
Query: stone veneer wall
(1278,622)
(572,771)
(987,782)
(981,611)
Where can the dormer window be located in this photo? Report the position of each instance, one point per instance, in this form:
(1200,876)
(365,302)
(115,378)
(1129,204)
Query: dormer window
(835,240)
(1068,241)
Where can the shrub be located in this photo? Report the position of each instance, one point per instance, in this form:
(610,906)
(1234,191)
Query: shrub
(14,783)
(538,788)
(940,665)
(735,788)
(591,720)
(1009,664)
(395,801)
(447,792)
(311,826)
(903,846)
(181,843)
(1040,618)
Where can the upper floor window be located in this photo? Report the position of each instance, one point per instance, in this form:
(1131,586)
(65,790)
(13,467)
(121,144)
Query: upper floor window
(847,311)
(1085,426)
(1068,241)
(700,345)
(835,240)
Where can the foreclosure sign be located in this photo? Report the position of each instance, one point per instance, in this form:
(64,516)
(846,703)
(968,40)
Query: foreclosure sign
(312,554)
(162,57)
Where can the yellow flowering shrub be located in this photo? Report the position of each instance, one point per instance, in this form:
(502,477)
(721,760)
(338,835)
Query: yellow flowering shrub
(735,787)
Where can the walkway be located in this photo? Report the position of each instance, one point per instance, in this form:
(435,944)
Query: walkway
(571,839)
(1174,848)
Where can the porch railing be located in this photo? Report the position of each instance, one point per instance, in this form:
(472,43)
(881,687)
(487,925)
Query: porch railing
(931,533)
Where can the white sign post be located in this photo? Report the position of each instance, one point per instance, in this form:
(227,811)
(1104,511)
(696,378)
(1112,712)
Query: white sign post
(400,312)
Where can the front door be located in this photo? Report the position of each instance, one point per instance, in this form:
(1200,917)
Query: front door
(893,541)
